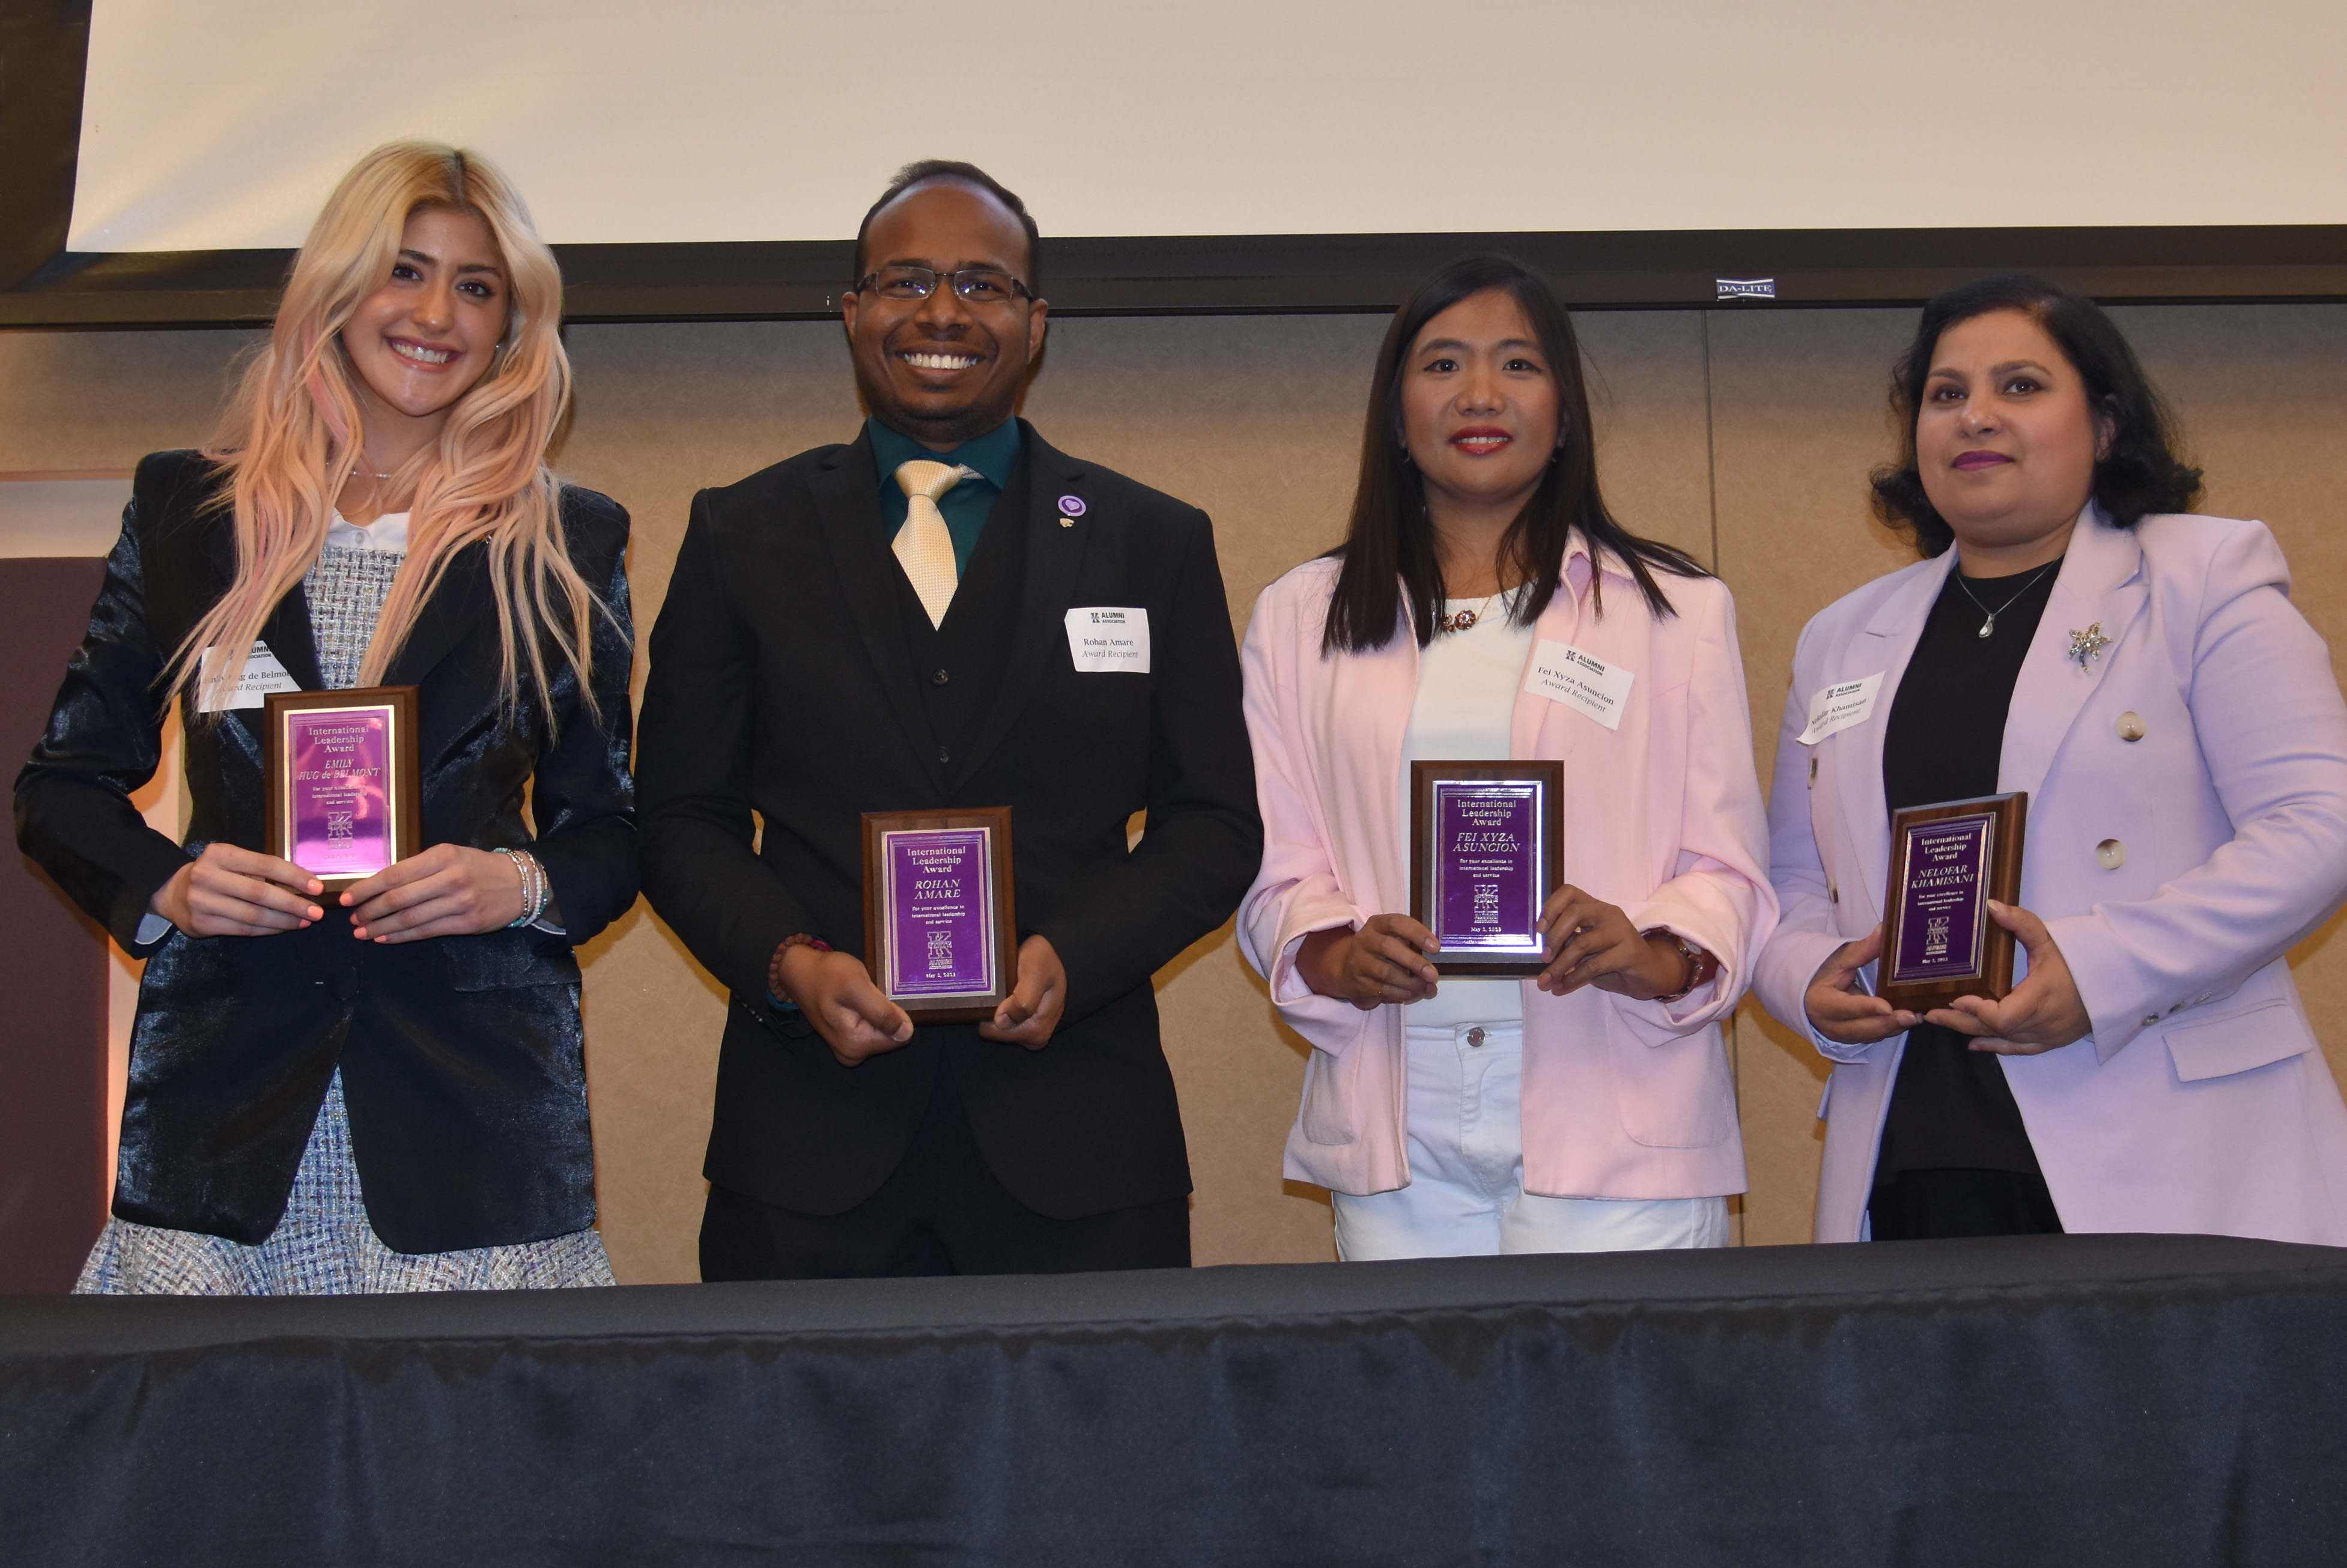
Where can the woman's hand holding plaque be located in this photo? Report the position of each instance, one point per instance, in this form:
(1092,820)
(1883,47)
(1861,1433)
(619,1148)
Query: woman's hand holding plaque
(1384,961)
(447,890)
(1842,1011)
(1593,943)
(231,891)
(2041,1013)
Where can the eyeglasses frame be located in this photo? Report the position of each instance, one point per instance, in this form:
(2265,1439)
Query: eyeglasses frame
(951,280)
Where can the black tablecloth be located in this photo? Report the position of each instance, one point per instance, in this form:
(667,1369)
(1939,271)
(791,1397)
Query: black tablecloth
(2074,1399)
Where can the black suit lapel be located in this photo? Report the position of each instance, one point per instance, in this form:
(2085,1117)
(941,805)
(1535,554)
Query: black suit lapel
(464,597)
(1054,554)
(286,632)
(847,511)
(290,637)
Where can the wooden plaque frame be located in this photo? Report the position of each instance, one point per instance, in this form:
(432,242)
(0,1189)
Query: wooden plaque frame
(2008,817)
(402,793)
(961,1008)
(1548,866)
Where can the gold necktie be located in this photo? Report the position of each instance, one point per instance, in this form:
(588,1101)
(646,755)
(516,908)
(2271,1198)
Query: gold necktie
(923,546)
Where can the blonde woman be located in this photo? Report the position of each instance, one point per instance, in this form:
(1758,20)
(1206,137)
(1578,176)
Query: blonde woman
(383,1089)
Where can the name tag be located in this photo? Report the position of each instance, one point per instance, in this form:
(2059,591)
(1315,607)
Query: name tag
(1839,707)
(262,674)
(1107,639)
(1563,673)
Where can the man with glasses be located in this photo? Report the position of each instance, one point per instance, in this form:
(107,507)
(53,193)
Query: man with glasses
(889,625)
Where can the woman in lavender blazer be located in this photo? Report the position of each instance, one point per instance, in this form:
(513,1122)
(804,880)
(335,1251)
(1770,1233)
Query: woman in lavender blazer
(2142,674)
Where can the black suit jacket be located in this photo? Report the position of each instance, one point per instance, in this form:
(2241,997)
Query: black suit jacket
(462,1056)
(786,682)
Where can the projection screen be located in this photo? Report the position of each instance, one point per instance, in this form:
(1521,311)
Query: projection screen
(708,123)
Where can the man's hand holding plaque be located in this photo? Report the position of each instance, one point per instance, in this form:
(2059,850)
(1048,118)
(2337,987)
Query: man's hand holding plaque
(836,994)
(940,925)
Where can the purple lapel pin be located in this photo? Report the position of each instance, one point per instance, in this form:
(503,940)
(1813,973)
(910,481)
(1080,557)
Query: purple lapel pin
(1072,506)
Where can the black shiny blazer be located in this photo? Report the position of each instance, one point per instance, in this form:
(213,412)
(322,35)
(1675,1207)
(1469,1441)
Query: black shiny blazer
(462,1056)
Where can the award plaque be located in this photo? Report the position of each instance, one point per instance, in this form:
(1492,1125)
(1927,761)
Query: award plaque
(1947,861)
(941,938)
(344,797)
(1486,849)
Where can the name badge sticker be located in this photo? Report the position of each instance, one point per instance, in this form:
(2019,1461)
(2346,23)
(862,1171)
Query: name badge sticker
(1104,639)
(262,674)
(1563,673)
(1837,708)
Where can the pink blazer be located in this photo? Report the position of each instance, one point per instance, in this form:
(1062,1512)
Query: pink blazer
(1661,817)
(2174,871)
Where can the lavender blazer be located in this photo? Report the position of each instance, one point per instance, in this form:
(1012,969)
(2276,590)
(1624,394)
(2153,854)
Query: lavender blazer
(2174,871)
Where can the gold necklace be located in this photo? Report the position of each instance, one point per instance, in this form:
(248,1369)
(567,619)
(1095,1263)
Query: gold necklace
(1462,620)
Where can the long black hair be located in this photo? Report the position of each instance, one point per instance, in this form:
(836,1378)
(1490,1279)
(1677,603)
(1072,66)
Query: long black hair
(1388,549)
(2140,475)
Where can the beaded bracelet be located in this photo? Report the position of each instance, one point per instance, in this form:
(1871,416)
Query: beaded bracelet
(533,886)
(774,963)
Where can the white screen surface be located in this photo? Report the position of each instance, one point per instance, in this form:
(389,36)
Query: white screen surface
(225,125)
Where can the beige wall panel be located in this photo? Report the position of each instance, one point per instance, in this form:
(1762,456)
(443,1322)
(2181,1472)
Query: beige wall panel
(2261,394)
(1797,420)
(1258,420)
(104,400)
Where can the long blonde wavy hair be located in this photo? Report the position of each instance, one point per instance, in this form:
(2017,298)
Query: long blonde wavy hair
(293,431)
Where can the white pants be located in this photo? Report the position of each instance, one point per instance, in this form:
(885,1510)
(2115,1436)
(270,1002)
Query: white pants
(1466,1196)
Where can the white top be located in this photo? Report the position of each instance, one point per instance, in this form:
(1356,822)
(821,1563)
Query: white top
(387,532)
(1467,683)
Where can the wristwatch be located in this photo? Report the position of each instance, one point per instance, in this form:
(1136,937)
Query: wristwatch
(1701,966)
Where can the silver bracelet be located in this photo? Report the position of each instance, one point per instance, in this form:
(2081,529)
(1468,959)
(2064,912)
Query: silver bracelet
(533,886)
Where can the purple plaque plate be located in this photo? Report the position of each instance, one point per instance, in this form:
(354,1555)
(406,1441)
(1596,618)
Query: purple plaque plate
(339,782)
(938,912)
(1944,903)
(1488,852)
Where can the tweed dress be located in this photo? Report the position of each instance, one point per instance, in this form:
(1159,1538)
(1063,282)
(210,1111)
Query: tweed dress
(325,1246)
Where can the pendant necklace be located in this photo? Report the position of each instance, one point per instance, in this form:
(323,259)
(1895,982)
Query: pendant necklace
(1990,624)
(1465,619)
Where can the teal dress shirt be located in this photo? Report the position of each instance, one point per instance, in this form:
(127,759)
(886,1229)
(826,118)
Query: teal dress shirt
(994,454)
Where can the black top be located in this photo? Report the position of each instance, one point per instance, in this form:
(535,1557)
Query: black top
(1950,1108)
(462,1056)
(795,681)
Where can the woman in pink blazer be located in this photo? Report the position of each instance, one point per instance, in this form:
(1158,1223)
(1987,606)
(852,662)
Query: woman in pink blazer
(1592,1108)
(2142,675)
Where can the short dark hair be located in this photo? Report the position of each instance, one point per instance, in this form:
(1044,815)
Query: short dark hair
(2139,476)
(930,168)
(1388,554)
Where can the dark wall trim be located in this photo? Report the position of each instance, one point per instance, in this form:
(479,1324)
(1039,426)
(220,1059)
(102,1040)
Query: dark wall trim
(44,48)
(1294,272)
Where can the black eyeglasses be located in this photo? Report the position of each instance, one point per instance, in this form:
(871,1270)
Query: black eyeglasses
(974,285)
